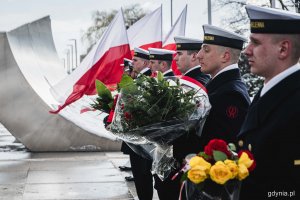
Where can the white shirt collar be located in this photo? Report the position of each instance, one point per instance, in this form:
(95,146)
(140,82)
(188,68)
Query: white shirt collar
(169,70)
(227,68)
(197,66)
(279,77)
(143,71)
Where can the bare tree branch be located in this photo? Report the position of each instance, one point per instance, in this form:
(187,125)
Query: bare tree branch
(101,19)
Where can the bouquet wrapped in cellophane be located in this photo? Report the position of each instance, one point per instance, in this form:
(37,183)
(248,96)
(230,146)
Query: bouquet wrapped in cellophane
(151,113)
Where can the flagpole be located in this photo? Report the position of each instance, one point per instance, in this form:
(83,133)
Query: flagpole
(209,11)
(171,13)
(75,42)
(72,65)
(68,61)
(273,4)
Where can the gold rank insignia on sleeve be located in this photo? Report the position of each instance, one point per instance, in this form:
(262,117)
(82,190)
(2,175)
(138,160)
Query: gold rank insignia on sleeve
(296,162)
(257,25)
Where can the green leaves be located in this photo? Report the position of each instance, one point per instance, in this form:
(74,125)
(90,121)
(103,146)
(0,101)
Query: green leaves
(104,101)
(160,76)
(204,155)
(150,100)
(126,81)
(103,91)
(184,177)
(219,156)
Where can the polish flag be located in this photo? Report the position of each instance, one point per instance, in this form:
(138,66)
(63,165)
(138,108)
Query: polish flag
(102,63)
(147,32)
(178,29)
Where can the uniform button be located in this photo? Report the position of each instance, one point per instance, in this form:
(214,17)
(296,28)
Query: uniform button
(241,143)
(250,147)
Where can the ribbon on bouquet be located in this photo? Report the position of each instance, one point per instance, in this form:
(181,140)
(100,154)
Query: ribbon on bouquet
(184,169)
(181,188)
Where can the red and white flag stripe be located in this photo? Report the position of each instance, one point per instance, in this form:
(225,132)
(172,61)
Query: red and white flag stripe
(102,63)
(178,29)
(147,32)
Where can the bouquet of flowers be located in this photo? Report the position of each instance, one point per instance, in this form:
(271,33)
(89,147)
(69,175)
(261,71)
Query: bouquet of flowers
(217,172)
(148,105)
(104,100)
(151,113)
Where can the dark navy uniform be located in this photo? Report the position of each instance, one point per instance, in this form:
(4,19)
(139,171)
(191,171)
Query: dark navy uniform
(271,132)
(187,143)
(170,73)
(230,101)
(198,75)
(272,126)
(227,93)
(147,73)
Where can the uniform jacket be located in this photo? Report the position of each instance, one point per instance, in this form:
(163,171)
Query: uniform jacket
(198,76)
(169,74)
(230,101)
(147,73)
(271,131)
(189,143)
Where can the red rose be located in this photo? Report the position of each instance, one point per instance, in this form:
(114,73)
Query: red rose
(217,145)
(250,155)
(154,74)
(127,116)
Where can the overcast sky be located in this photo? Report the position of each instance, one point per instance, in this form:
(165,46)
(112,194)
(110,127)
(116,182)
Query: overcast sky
(70,18)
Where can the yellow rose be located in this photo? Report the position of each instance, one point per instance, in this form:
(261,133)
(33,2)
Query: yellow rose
(220,173)
(197,174)
(243,172)
(245,160)
(232,167)
(199,161)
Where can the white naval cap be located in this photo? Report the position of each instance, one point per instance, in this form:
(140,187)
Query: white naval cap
(222,37)
(160,54)
(184,43)
(271,20)
(141,53)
